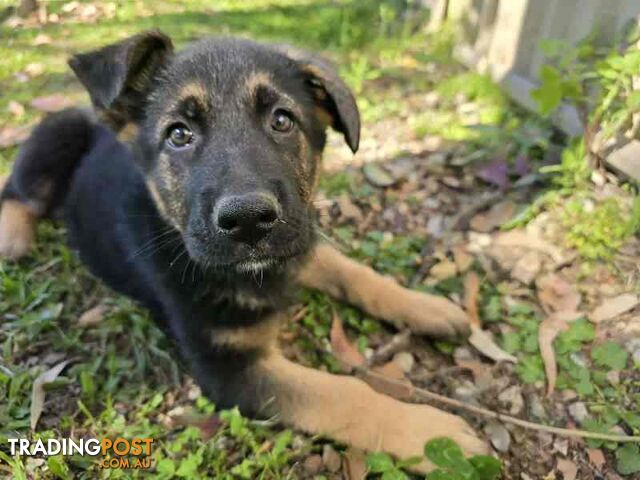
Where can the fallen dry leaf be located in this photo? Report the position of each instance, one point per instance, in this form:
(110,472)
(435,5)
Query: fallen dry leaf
(568,469)
(38,394)
(12,136)
(354,464)
(612,307)
(522,238)
(393,387)
(471,292)
(50,103)
(207,424)
(495,173)
(388,379)
(549,329)
(93,316)
(483,342)
(461,258)
(443,270)
(330,458)
(556,294)
(478,369)
(346,353)
(41,39)
(70,7)
(16,109)
(527,267)
(349,210)
(34,70)
(596,458)
(391,369)
(493,218)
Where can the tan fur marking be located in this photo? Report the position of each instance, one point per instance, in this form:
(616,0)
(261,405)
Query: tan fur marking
(155,195)
(323,116)
(303,172)
(261,336)
(17,229)
(348,410)
(196,91)
(263,79)
(128,133)
(256,80)
(165,185)
(317,159)
(330,271)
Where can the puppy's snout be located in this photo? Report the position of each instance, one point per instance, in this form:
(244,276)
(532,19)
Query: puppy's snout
(246,218)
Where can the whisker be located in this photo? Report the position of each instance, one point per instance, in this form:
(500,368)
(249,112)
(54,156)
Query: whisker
(151,242)
(157,247)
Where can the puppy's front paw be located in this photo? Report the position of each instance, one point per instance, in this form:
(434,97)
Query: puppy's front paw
(435,316)
(415,425)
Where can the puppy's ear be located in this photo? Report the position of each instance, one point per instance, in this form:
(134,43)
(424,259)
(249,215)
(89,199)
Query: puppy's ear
(330,92)
(118,76)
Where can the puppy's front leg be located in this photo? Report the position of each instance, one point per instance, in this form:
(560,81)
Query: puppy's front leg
(332,272)
(349,411)
(245,368)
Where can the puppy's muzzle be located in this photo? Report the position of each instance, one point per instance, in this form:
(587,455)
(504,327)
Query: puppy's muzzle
(246,218)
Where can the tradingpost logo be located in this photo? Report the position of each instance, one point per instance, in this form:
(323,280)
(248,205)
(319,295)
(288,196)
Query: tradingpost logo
(116,453)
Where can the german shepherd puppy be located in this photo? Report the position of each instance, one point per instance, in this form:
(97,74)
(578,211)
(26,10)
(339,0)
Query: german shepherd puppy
(191,192)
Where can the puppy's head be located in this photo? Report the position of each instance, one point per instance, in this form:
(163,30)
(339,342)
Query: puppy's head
(230,134)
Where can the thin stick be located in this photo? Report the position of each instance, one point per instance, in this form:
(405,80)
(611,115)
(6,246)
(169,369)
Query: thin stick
(461,220)
(405,389)
(423,394)
(471,292)
(398,342)
(299,315)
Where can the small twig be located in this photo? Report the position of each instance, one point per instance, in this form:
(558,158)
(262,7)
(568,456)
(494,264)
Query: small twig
(404,389)
(398,342)
(428,261)
(461,220)
(423,394)
(330,240)
(443,372)
(299,315)
(471,292)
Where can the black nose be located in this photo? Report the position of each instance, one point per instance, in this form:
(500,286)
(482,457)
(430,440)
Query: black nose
(246,218)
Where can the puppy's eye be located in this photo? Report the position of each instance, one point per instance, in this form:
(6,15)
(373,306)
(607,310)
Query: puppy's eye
(282,121)
(179,135)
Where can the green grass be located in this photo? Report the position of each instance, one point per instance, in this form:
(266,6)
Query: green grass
(598,233)
(596,227)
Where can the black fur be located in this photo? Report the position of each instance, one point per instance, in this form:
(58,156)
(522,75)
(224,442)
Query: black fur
(167,252)
(45,164)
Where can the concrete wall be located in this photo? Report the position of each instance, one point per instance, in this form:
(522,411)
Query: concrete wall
(502,37)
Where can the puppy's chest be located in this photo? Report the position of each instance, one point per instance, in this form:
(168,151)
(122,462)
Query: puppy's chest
(220,305)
